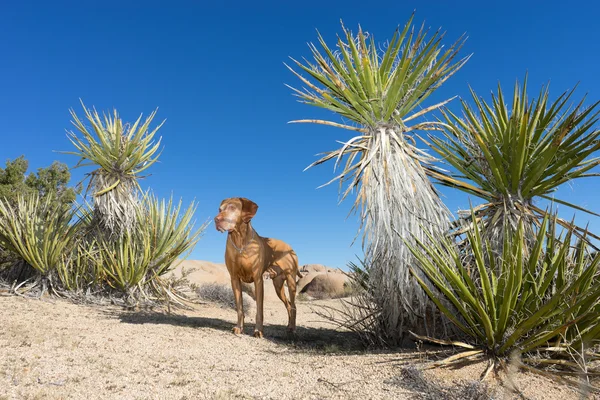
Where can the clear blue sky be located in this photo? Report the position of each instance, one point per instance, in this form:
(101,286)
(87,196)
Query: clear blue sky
(216,73)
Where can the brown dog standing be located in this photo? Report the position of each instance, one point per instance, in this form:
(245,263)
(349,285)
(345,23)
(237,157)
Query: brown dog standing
(248,257)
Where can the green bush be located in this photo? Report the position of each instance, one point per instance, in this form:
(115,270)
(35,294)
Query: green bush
(38,230)
(545,298)
(136,259)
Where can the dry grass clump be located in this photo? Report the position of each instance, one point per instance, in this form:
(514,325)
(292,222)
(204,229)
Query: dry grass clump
(223,296)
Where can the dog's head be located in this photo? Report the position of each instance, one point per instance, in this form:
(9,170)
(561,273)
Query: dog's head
(233,212)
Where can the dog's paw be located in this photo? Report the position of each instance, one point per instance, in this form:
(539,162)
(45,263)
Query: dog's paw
(237,330)
(258,334)
(291,333)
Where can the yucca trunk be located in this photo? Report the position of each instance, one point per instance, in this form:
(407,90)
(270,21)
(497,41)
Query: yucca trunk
(114,211)
(409,207)
(402,204)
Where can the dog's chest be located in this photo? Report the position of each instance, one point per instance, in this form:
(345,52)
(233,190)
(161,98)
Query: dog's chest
(246,265)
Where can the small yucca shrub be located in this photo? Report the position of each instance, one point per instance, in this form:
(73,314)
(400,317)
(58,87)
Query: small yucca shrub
(170,231)
(125,261)
(543,299)
(39,231)
(134,262)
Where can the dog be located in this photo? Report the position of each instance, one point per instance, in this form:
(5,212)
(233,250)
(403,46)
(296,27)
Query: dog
(252,258)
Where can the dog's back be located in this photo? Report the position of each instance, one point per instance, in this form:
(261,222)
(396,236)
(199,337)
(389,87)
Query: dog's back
(282,258)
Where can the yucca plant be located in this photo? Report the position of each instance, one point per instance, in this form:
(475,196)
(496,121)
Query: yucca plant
(125,262)
(135,262)
(172,235)
(39,231)
(170,229)
(511,155)
(542,306)
(380,93)
(121,153)
(78,271)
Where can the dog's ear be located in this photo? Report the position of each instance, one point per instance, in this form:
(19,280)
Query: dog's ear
(249,209)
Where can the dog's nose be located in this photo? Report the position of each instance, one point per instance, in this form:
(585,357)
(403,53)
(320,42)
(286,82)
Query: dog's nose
(218,218)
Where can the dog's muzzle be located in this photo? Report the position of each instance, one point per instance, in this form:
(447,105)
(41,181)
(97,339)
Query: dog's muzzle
(219,221)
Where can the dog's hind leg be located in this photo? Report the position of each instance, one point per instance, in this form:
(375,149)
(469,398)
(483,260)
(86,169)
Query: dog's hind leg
(291,283)
(280,290)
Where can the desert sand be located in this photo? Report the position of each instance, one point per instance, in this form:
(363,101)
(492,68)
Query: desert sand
(52,348)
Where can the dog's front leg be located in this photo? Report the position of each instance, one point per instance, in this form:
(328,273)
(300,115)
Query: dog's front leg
(236,285)
(259,290)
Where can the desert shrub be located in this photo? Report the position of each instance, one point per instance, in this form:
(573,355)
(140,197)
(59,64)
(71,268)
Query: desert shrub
(169,229)
(349,290)
(249,289)
(79,270)
(223,295)
(38,231)
(541,303)
(125,261)
(48,182)
(134,261)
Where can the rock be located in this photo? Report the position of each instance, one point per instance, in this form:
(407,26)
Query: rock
(326,286)
(314,268)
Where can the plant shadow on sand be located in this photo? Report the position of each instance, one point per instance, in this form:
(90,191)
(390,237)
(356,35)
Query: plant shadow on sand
(306,339)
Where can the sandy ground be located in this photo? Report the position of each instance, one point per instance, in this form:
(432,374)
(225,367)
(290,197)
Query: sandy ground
(54,349)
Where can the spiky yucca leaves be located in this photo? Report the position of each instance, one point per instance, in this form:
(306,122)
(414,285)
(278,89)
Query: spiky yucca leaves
(125,261)
(546,302)
(78,271)
(170,229)
(39,231)
(121,152)
(379,92)
(134,263)
(509,155)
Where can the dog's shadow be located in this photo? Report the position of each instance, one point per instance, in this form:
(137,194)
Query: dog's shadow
(305,338)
